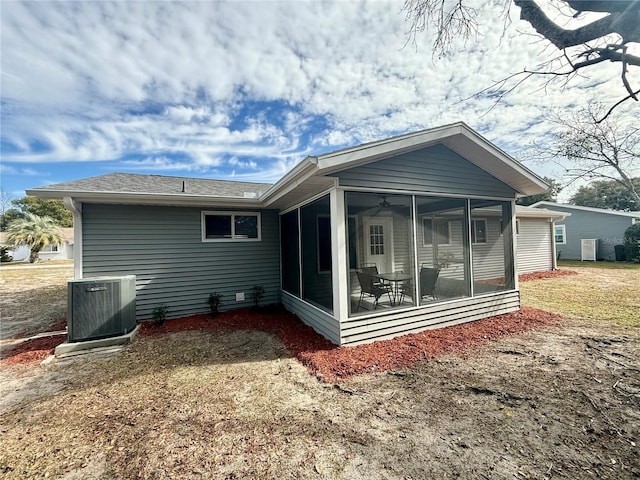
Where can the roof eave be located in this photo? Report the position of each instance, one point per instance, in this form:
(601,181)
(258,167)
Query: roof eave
(298,174)
(133,198)
(542,213)
(525,182)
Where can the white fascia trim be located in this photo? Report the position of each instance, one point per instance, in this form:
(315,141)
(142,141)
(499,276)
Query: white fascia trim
(302,171)
(503,156)
(134,198)
(541,213)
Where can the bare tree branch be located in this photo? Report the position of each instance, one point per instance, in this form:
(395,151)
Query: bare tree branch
(589,150)
(617,104)
(583,48)
(618,22)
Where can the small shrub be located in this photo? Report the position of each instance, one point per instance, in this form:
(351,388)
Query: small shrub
(214,301)
(632,243)
(257,292)
(159,314)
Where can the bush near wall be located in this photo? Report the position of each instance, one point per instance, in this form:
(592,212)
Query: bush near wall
(632,242)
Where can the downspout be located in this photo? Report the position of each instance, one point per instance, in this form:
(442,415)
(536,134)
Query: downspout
(76,209)
(554,262)
(513,247)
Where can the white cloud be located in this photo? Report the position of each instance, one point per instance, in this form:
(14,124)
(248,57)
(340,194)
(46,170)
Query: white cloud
(255,85)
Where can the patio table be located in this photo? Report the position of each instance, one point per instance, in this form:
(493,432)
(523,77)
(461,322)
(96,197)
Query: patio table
(395,279)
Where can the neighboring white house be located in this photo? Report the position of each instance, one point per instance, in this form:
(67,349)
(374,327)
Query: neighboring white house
(535,239)
(52,252)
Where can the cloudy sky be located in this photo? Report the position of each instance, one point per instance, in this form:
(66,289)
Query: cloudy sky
(244,90)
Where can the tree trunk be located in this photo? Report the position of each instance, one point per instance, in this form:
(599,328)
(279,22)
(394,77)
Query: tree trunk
(33,256)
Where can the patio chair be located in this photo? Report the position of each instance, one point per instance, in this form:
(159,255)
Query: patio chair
(406,290)
(372,269)
(371,289)
(428,281)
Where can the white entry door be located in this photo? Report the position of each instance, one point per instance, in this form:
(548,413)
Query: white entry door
(378,242)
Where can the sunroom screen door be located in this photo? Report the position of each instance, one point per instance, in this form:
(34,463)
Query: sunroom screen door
(378,242)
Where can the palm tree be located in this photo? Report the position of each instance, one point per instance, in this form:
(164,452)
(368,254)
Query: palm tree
(35,232)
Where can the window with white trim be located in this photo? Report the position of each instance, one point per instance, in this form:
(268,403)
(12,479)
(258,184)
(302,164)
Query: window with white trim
(50,249)
(561,234)
(230,226)
(443,231)
(478,230)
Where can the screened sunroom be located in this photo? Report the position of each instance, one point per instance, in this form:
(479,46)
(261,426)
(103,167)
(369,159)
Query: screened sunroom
(406,234)
(401,251)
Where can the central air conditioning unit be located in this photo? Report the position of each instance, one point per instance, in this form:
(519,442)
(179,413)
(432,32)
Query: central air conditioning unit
(101,307)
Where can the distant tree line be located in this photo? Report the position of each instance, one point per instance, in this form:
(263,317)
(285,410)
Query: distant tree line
(20,208)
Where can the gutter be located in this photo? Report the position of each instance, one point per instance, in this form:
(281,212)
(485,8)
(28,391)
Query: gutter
(136,198)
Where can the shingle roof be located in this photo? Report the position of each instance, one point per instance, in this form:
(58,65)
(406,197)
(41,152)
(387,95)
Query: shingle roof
(158,184)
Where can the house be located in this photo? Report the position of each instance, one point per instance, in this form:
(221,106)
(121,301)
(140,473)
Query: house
(346,240)
(535,239)
(50,252)
(605,226)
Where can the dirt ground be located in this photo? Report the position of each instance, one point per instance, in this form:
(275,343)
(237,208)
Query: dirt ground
(557,402)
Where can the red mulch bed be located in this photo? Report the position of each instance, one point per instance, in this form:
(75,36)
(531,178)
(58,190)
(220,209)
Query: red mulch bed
(35,350)
(527,277)
(321,357)
(332,363)
(32,351)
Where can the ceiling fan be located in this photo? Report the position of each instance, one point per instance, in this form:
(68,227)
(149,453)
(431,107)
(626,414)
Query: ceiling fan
(387,208)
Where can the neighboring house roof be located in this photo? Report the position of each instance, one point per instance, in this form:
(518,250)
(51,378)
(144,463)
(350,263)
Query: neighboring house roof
(547,205)
(67,232)
(307,177)
(529,212)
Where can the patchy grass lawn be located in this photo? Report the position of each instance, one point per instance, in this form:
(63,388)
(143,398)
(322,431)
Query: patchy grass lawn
(599,265)
(598,294)
(34,297)
(559,402)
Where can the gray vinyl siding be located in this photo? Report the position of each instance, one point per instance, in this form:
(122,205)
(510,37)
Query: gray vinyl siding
(379,327)
(163,248)
(322,322)
(607,228)
(435,169)
(534,246)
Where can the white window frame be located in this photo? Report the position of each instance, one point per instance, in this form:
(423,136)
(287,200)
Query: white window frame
(474,233)
(51,249)
(564,234)
(233,215)
(433,224)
